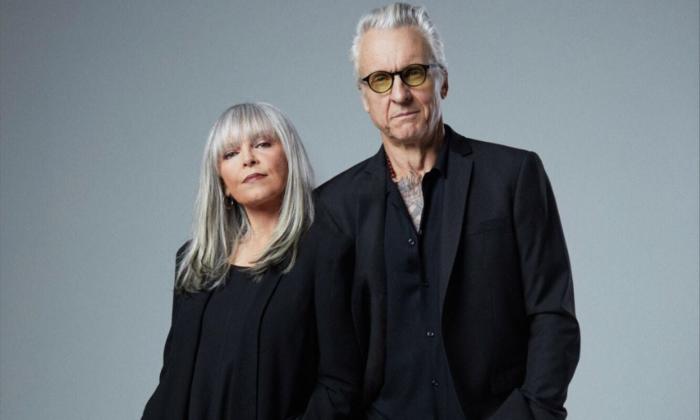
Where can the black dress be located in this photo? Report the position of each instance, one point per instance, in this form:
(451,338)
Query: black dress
(282,348)
(215,379)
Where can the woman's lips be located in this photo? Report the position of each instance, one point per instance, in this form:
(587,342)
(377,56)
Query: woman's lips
(253,177)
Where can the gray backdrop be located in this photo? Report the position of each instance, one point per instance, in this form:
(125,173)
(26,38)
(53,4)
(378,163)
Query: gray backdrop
(104,111)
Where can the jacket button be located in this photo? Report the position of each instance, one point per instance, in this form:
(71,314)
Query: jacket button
(411,241)
(435,383)
(430,333)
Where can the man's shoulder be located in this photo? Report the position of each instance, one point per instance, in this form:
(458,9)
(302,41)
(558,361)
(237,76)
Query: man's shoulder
(496,149)
(344,182)
(492,160)
(337,197)
(481,149)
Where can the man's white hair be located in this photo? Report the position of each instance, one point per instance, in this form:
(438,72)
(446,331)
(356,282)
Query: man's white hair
(398,15)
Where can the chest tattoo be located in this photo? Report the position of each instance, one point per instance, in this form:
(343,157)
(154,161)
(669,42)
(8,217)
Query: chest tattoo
(411,191)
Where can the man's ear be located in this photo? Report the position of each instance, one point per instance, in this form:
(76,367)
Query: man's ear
(365,102)
(445,86)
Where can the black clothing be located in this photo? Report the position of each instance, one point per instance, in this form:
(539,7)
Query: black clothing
(296,354)
(505,294)
(215,376)
(417,381)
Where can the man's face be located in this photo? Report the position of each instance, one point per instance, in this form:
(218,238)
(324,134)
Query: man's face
(404,114)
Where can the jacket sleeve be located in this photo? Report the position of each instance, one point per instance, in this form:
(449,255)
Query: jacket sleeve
(554,337)
(156,403)
(340,370)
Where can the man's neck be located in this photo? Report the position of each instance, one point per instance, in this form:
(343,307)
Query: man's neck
(414,158)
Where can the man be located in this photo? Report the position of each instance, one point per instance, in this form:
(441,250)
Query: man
(463,298)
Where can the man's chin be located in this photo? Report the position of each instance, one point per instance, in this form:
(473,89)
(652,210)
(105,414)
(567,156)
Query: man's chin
(406,136)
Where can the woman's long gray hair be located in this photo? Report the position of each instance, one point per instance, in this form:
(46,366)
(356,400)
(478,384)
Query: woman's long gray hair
(217,229)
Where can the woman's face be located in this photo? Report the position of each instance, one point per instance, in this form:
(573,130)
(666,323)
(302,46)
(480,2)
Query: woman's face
(254,172)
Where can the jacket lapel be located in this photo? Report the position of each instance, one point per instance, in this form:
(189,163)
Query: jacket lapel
(370,269)
(456,191)
(371,209)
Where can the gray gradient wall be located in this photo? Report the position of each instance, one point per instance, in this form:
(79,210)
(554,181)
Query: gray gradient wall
(104,110)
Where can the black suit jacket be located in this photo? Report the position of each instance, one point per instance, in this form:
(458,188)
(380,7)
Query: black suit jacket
(300,357)
(509,328)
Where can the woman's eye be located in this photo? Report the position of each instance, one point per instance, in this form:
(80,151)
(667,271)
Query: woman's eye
(263,144)
(230,154)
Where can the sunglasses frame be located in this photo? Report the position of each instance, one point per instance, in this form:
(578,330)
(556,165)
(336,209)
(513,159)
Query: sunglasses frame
(400,73)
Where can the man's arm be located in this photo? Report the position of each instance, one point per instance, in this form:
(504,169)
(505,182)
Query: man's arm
(554,342)
(337,390)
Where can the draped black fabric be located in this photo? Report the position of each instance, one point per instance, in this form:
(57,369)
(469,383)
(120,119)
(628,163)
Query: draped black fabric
(215,382)
(281,348)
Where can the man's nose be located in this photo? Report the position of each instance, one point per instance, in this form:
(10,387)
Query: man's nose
(400,92)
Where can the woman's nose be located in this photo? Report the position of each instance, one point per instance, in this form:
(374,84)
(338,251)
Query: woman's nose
(248,156)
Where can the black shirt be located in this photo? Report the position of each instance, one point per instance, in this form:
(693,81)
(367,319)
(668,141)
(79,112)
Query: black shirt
(417,381)
(214,381)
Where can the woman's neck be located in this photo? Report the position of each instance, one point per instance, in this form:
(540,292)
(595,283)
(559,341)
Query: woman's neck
(251,246)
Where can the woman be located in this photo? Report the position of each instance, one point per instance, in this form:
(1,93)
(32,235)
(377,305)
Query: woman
(261,325)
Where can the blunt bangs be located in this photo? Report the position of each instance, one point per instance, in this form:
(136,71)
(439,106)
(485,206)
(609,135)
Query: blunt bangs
(238,125)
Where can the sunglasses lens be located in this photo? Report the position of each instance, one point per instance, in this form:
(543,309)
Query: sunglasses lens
(413,75)
(380,81)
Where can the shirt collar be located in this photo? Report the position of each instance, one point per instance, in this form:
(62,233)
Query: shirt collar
(440,163)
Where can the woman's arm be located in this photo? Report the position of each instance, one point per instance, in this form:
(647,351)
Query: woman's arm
(155,404)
